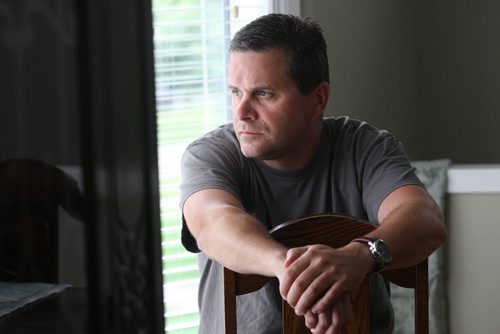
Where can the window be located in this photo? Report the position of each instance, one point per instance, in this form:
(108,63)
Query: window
(191,38)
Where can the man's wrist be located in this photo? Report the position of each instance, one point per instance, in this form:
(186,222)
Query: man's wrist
(379,250)
(363,254)
(278,261)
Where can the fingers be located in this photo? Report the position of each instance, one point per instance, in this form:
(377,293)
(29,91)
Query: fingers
(293,254)
(309,274)
(336,320)
(315,276)
(311,320)
(294,267)
(328,297)
(305,296)
(323,324)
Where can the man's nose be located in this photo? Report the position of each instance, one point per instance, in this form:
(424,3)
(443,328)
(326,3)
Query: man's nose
(244,109)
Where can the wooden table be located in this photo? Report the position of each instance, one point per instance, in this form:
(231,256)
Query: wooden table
(62,313)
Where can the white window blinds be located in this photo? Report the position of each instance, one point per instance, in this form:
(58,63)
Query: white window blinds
(191,38)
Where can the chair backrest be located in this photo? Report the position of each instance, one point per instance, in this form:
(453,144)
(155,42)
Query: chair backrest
(30,195)
(335,231)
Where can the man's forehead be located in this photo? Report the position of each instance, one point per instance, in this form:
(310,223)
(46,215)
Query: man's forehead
(263,68)
(274,52)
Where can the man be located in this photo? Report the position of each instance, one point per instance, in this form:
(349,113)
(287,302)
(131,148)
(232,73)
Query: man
(280,160)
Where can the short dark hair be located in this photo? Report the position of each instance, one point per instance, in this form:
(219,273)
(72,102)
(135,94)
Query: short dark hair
(300,38)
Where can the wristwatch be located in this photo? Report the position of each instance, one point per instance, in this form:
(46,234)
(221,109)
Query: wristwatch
(379,250)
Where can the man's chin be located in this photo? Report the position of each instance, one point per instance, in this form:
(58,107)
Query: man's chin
(258,155)
(250,152)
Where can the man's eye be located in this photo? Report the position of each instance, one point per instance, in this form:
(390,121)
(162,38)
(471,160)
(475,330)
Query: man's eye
(235,92)
(263,93)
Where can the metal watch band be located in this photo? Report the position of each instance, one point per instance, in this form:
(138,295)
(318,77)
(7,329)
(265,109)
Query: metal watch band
(379,261)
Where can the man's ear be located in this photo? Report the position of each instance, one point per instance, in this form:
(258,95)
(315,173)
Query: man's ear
(321,95)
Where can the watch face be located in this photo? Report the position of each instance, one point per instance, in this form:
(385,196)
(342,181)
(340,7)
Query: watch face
(383,250)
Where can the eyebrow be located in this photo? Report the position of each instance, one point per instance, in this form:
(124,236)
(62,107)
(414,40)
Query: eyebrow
(257,88)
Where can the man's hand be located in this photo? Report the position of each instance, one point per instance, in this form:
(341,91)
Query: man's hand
(335,320)
(316,276)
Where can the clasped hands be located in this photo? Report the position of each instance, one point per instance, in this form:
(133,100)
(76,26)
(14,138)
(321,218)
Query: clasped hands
(316,281)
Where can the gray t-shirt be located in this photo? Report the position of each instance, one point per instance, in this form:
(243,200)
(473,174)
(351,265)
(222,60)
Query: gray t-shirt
(355,168)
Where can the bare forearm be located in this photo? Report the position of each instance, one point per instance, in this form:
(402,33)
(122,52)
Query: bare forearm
(244,245)
(227,234)
(413,229)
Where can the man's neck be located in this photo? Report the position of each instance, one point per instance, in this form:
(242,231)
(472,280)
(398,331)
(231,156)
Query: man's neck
(299,160)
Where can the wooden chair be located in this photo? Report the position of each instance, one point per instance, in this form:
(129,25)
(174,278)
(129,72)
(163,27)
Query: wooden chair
(31,192)
(335,231)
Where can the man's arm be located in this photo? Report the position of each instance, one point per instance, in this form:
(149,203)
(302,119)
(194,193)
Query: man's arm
(412,226)
(232,237)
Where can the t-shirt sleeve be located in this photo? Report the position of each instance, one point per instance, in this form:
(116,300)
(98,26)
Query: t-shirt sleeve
(383,166)
(208,163)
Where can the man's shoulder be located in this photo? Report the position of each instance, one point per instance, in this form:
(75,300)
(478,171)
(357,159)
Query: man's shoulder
(222,132)
(346,123)
(219,147)
(222,136)
(345,126)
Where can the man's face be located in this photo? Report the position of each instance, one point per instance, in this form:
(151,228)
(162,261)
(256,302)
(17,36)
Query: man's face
(272,119)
